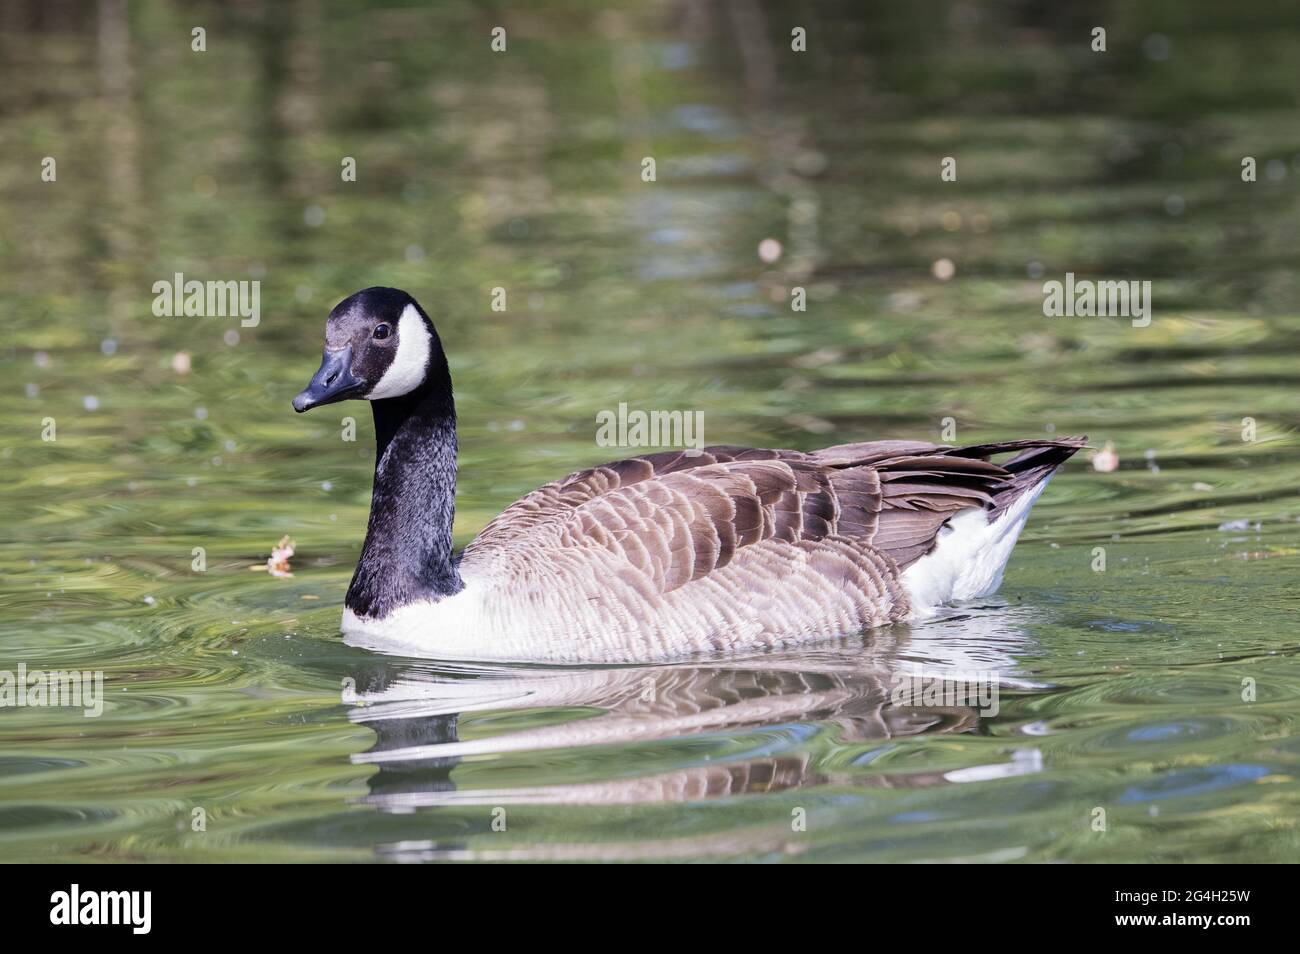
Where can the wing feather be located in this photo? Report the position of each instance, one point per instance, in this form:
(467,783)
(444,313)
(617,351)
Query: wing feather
(678,516)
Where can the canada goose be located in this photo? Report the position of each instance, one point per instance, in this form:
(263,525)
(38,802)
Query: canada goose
(659,556)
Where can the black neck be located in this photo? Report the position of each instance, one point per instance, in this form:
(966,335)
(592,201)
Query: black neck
(407,553)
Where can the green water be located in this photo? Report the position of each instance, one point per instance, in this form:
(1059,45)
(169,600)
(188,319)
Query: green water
(1159,693)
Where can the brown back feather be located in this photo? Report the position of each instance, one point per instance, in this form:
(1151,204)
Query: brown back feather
(678,516)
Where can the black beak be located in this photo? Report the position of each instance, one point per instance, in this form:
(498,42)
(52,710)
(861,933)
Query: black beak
(333,382)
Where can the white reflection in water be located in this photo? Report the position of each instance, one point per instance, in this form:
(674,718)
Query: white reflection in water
(760,711)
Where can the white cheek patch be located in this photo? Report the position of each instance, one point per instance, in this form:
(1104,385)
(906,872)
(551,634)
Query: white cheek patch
(411,360)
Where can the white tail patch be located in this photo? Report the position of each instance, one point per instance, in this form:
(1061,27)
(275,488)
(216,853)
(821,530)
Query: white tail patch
(410,363)
(969,557)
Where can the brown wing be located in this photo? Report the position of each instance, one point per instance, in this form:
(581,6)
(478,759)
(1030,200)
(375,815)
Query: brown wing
(678,516)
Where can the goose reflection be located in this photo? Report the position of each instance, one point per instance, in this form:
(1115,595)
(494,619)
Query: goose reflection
(767,709)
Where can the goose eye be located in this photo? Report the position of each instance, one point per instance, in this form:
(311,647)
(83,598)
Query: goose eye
(382,331)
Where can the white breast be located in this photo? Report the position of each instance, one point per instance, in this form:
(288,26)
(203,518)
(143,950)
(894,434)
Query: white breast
(452,628)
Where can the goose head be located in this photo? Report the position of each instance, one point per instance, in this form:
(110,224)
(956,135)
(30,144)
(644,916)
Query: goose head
(379,344)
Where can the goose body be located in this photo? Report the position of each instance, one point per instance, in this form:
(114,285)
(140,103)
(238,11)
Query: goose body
(659,556)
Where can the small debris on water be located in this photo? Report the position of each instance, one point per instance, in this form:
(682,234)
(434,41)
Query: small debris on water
(1232,526)
(278,562)
(1105,460)
(769,250)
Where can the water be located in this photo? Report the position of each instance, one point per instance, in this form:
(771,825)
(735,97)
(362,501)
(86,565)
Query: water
(1123,694)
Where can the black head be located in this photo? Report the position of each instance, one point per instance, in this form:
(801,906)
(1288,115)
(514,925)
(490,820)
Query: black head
(379,344)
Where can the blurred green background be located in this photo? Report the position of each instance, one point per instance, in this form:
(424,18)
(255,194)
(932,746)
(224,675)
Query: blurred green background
(522,170)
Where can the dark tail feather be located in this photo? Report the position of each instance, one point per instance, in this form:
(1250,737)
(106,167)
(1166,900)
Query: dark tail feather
(1036,462)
